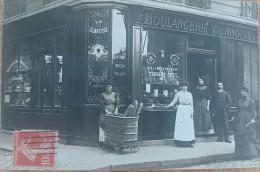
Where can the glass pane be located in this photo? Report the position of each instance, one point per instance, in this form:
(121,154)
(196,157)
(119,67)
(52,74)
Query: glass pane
(162,58)
(18,75)
(119,53)
(60,41)
(58,90)
(201,42)
(44,80)
(47,80)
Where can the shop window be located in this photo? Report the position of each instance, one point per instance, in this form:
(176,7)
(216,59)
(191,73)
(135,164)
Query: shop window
(249,9)
(48,71)
(98,53)
(199,3)
(48,79)
(34,71)
(13,7)
(162,69)
(18,74)
(201,42)
(119,53)
(45,2)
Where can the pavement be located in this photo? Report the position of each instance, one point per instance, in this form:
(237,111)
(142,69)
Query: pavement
(152,155)
(254,163)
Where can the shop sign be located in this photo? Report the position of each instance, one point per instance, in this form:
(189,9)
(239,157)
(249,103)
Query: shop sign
(196,25)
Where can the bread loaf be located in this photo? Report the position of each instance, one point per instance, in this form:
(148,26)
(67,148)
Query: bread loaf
(135,104)
(129,111)
(139,108)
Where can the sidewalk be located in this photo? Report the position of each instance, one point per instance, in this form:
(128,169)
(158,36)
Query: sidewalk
(148,157)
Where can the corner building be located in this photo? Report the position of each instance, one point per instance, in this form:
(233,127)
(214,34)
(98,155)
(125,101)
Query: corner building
(57,54)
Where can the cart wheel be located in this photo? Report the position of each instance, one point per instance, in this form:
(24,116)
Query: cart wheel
(107,147)
(135,148)
(121,147)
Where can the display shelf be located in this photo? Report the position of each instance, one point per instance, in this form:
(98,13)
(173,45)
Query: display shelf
(151,97)
(162,84)
(159,108)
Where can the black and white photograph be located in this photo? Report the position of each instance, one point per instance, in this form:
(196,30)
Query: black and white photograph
(130,84)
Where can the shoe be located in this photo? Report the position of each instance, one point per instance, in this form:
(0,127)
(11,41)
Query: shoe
(227,141)
(220,139)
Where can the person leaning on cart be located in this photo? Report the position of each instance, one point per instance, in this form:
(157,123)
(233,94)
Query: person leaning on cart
(184,135)
(109,102)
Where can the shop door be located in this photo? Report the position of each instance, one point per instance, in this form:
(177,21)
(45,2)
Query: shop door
(43,78)
(201,65)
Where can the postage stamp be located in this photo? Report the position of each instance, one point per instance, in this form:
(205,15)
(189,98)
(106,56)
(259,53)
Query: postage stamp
(34,148)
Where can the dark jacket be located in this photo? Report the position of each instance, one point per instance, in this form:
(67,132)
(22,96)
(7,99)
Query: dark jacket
(220,103)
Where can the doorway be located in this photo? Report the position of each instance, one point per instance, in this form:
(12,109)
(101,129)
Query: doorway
(201,65)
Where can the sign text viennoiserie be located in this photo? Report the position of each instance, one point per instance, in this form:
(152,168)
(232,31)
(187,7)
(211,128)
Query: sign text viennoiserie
(183,23)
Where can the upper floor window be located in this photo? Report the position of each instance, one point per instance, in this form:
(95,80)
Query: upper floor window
(249,9)
(198,3)
(195,3)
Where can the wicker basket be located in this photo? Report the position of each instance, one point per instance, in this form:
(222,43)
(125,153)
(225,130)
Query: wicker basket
(122,129)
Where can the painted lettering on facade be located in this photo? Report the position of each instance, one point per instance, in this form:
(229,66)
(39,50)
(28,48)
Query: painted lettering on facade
(188,24)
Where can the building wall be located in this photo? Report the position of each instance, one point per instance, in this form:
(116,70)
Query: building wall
(13,8)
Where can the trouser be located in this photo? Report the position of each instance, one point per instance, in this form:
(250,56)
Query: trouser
(221,126)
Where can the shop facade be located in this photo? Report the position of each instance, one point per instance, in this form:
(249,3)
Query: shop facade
(55,64)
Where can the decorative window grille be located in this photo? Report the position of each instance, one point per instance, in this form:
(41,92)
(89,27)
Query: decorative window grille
(249,9)
(198,3)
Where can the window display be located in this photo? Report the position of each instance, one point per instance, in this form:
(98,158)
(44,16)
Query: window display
(18,76)
(162,69)
(33,72)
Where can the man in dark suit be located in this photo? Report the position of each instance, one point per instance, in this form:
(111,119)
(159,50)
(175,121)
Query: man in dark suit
(221,102)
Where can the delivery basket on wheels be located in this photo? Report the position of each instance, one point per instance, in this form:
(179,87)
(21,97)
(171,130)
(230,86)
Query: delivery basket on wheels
(121,133)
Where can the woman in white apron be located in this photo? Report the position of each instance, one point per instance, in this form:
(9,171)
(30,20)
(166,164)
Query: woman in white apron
(184,135)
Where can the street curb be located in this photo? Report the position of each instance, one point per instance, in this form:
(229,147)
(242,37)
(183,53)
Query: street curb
(180,163)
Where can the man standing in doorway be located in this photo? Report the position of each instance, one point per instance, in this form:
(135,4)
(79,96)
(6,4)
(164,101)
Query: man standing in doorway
(221,102)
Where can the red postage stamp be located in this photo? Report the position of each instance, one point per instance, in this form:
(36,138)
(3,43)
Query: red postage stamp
(34,148)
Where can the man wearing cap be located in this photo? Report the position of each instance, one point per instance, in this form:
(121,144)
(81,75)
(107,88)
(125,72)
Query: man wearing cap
(220,104)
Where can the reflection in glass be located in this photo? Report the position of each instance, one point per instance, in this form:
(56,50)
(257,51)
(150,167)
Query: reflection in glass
(18,75)
(58,90)
(162,55)
(119,52)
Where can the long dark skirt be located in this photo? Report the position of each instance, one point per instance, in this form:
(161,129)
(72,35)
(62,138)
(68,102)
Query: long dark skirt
(245,137)
(202,120)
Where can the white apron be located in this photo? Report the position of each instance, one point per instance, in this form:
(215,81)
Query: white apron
(184,126)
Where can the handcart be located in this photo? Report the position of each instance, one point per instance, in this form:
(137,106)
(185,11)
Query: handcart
(121,133)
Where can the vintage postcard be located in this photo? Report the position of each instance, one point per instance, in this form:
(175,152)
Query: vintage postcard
(130,84)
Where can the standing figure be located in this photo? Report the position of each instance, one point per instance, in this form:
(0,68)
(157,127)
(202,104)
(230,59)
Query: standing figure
(109,102)
(245,133)
(221,102)
(202,120)
(184,127)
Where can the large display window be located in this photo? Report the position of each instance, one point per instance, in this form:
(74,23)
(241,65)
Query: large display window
(162,67)
(18,74)
(34,71)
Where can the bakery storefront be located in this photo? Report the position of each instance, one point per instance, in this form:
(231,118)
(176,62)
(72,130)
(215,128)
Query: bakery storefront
(170,47)
(54,70)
